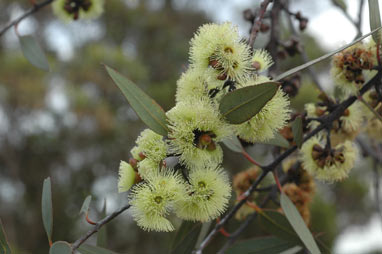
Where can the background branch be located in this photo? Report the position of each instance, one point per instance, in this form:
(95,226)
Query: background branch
(34,9)
(257,22)
(97,227)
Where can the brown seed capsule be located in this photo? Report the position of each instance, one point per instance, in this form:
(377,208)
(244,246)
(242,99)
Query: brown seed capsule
(213,63)
(316,155)
(142,155)
(264,27)
(256,65)
(134,163)
(318,148)
(205,139)
(303,24)
(137,178)
(222,76)
(248,15)
(321,163)
(346,112)
(211,146)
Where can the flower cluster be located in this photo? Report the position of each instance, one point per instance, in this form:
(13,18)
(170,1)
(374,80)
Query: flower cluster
(328,163)
(346,127)
(350,67)
(197,188)
(69,10)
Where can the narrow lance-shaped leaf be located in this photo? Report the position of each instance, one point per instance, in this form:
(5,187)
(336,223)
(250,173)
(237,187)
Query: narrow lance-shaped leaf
(297,131)
(102,233)
(33,52)
(244,103)
(375,19)
(60,247)
(47,208)
(263,245)
(233,143)
(277,140)
(85,205)
(321,58)
(4,246)
(277,224)
(146,108)
(298,224)
(90,249)
(186,238)
(203,232)
(340,4)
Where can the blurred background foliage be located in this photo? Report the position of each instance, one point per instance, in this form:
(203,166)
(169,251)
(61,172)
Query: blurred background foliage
(74,125)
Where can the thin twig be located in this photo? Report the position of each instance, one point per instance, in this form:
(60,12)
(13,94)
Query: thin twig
(97,227)
(357,24)
(32,10)
(327,120)
(257,23)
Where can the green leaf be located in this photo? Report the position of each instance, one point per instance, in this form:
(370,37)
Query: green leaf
(145,107)
(85,205)
(294,250)
(60,247)
(244,103)
(186,238)
(263,245)
(203,232)
(233,143)
(298,224)
(90,249)
(47,208)
(4,246)
(340,4)
(277,224)
(297,131)
(321,58)
(375,19)
(277,140)
(33,52)
(102,233)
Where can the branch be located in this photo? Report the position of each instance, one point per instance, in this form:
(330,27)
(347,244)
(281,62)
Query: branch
(97,227)
(357,24)
(257,22)
(326,121)
(34,9)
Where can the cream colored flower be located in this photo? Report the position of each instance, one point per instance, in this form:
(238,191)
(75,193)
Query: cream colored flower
(69,10)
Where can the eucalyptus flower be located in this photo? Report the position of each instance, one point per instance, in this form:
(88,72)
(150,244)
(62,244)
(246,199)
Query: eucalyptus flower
(328,164)
(349,67)
(152,200)
(195,130)
(149,145)
(261,60)
(68,10)
(219,47)
(127,176)
(207,195)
